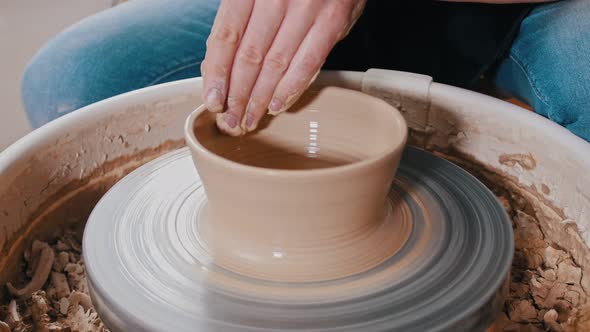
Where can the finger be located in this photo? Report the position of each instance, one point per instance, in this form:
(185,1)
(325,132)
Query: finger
(307,62)
(222,44)
(296,24)
(264,23)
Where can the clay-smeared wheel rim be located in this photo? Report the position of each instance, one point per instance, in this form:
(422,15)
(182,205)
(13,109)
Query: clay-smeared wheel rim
(147,269)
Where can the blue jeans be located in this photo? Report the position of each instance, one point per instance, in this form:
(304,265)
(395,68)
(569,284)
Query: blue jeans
(146,42)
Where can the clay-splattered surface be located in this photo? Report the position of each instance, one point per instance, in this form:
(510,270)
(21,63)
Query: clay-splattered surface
(545,291)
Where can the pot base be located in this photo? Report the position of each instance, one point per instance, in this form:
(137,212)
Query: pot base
(455,260)
(335,258)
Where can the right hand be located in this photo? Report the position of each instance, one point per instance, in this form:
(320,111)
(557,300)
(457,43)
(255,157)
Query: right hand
(262,55)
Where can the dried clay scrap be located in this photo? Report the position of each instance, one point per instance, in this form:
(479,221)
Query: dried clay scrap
(55,298)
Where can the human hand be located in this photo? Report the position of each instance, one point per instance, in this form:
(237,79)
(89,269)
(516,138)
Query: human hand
(263,54)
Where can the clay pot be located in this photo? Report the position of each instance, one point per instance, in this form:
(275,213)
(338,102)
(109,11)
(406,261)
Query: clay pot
(301,198)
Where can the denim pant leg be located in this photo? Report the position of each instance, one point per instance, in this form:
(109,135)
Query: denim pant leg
(549,64)
(133,45)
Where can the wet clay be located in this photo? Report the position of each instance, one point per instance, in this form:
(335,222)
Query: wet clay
(444,234)
(251,151)
(538,299)
(309,186)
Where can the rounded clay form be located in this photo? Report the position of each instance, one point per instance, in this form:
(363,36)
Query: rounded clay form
(304,198)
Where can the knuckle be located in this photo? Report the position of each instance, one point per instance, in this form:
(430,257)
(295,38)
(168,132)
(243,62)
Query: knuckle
(227,34)
(216,70)
(236,103)
(277,3)
(256,106)
(337,16)
(310,62)
(277,62)
(251,55)
(308,5)
(337,10)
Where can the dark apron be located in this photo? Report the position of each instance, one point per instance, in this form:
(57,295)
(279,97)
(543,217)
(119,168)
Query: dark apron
(455,43)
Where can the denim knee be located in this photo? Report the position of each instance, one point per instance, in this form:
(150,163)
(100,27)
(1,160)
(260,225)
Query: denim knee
(52,85)
(133,45)
(548,64)
(571,109)
(80,66)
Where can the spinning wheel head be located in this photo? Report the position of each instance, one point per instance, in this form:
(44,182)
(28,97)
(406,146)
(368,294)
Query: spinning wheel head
(145,257)
(251,243)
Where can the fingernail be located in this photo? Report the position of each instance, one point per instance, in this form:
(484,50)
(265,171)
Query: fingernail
(231,120)
(214,101)
(275,107)
(250,122)
(222,124)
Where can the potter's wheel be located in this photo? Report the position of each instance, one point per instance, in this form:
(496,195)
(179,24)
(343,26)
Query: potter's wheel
(149,270)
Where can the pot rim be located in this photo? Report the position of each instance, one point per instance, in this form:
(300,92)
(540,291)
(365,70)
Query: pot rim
(288,174)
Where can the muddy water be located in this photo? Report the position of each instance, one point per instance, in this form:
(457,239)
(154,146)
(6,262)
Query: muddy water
(257,152)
